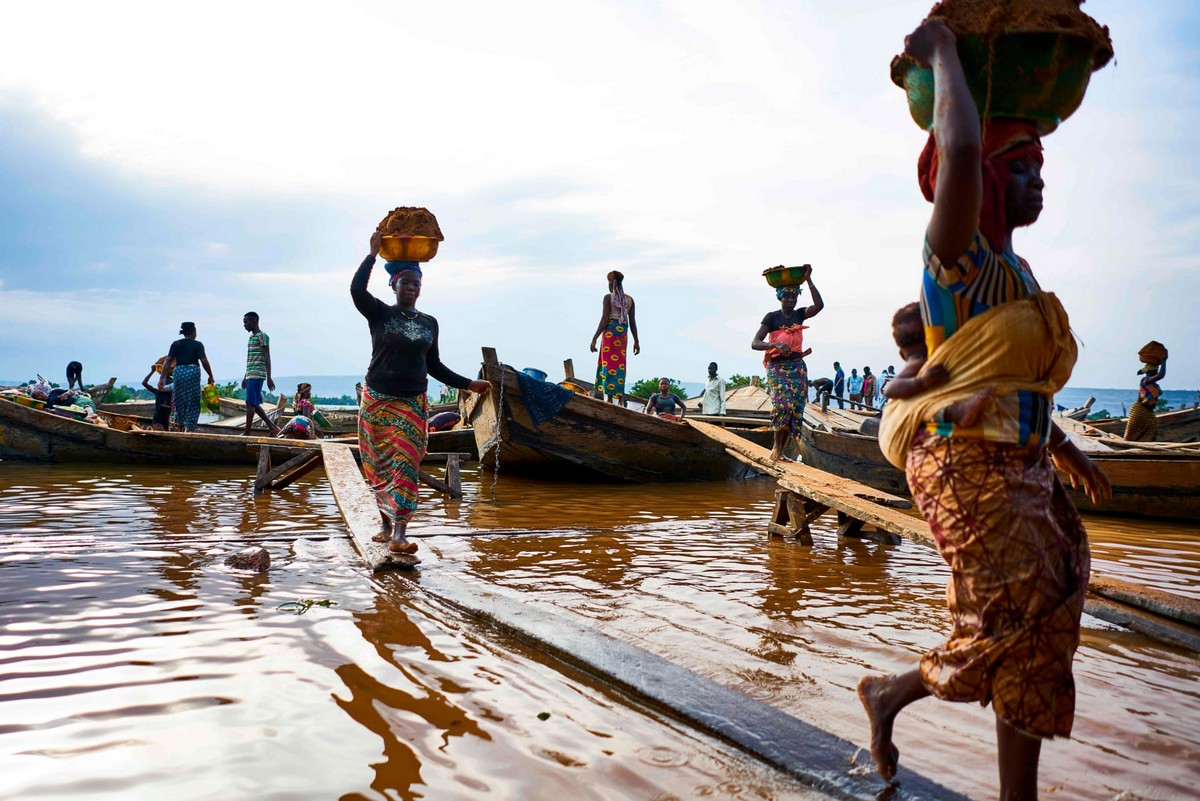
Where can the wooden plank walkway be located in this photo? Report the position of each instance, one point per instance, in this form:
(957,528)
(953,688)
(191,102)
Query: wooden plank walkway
(359,509)
(831,765)
(1160,615)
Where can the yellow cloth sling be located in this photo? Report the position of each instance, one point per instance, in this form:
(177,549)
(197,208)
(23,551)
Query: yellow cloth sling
(1019,345)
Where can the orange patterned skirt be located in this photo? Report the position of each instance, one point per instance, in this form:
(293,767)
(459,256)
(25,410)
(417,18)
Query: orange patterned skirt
(1019,560)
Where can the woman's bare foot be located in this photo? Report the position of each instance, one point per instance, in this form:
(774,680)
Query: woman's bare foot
(385,530)
(871,691)
(401,545)
(776,456)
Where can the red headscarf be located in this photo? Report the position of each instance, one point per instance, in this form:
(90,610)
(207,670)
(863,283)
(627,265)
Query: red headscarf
(1004,141)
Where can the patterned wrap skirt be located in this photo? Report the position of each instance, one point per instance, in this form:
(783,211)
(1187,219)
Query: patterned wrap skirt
(610,369)
(187,396)
(1019,562)
(1142,425)
(787,383)
(392,437)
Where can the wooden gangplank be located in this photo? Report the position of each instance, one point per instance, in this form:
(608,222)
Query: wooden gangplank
(850,499)
(359,509)
(1160,615)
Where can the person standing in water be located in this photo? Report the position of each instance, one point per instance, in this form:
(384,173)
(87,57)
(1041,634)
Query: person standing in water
(1015,545)
(781,335)
(394,409)
(258,369)
(617,324)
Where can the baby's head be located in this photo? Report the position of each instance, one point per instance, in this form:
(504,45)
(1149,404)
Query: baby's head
(909,332)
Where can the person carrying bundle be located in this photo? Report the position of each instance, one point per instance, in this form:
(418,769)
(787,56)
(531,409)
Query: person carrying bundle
(1015,544)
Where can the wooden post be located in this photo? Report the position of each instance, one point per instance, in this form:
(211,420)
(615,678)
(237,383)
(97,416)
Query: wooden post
(438,484)
(568,368)
(453,477)
(289,471)
(490,357)
(264,467)
(824,402)
(789,518)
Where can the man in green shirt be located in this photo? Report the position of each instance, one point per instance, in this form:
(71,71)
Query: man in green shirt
(258,369)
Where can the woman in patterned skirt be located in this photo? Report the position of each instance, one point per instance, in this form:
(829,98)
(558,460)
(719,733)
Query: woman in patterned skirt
(393,408)
(781,335)
(183,363)
(1015,545)
(617,324)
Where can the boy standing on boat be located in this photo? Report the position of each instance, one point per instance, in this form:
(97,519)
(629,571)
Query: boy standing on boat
(258,369)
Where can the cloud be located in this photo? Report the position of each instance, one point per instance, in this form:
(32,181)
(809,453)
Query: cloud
(689,144)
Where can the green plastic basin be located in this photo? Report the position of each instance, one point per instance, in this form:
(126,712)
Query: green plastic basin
(1036,76)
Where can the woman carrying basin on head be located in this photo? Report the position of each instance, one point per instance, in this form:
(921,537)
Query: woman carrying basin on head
(393,409)
(781,335)
(1015,545)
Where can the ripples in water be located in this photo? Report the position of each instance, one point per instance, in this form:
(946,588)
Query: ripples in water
(135,663)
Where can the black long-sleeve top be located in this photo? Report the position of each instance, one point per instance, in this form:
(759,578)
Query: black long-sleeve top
(404,344)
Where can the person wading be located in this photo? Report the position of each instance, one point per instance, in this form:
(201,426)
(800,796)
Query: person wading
(1016,548)
(394,410)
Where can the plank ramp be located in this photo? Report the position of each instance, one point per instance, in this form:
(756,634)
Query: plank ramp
(879,509)
(823,761)
(359,509)
(1155,613)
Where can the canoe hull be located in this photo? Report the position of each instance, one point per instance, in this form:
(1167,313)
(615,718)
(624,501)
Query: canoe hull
(589,438)
(35,435)
(1165,486)
(1182,425)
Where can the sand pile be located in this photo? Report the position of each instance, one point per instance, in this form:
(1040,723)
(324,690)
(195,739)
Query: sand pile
(987,18)
(411,221)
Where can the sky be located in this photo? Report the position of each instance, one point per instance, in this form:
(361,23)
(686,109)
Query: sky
(162,162)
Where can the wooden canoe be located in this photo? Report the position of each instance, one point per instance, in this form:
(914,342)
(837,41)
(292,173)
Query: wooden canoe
(1147,482)
(1181,425)
(33,434)
(588,438)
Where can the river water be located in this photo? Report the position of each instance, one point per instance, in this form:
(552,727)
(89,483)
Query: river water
(135,665)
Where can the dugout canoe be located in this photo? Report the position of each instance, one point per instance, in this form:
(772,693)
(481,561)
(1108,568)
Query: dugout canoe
(587,437)
(37,435)
(1181,425)
(1147,482)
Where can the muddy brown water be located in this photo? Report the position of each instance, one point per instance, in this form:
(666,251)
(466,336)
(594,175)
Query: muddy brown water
(133,664)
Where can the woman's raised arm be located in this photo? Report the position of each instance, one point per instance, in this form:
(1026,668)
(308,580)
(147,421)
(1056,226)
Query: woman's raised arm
(958,194)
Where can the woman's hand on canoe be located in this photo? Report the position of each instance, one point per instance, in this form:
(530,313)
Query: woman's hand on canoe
(480,387)
(922,44)
(1082,471)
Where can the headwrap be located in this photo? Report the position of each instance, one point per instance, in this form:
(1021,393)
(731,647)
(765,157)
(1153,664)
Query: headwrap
(1004,141)
(186,328)
(620,305)
(304,387)
(787,290)
(396,268)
